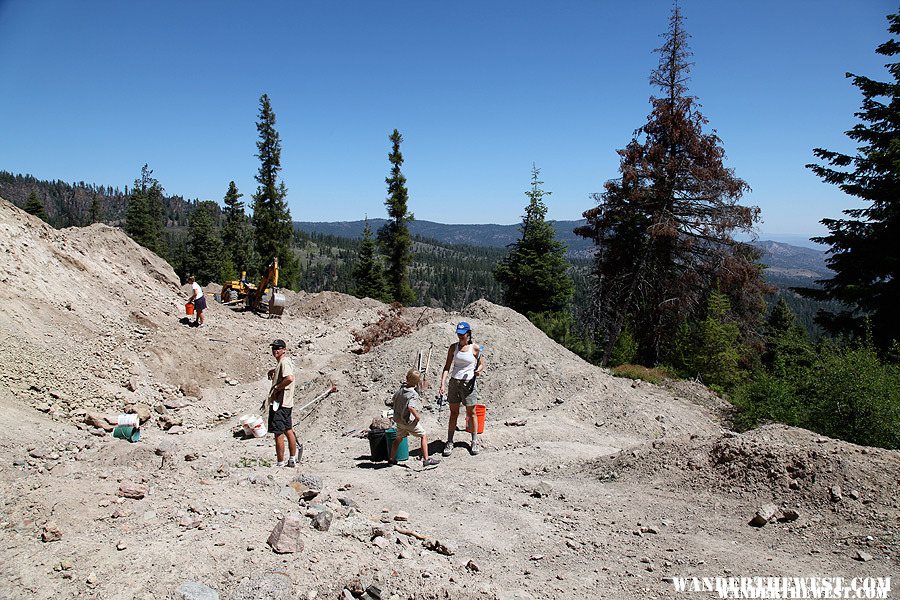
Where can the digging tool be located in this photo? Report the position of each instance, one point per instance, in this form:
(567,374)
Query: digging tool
(427,364)
(333,389)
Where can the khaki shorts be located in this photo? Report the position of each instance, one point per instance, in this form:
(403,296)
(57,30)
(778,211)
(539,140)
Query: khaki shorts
(407,430)
(462,392)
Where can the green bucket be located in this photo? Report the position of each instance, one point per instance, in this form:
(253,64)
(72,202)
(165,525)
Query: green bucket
(127,432)
(402,450)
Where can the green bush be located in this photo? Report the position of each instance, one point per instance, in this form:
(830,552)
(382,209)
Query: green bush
(626,348)
(766,399)
(847,393)
(854,396)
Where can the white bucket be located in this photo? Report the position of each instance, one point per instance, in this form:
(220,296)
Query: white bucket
(257,427)
(129,420)
(245,423)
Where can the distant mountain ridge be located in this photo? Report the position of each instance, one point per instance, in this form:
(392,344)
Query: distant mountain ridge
(783,259)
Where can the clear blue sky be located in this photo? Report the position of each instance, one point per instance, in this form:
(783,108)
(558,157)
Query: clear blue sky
(90,91)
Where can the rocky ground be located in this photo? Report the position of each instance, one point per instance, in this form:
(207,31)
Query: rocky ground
(587,485)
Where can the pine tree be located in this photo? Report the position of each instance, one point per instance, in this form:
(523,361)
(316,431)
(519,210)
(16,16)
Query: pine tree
(204,245)
(716,355)
(144,213)
(368,274)
(865,254)
(533,274)
(788,348)
(273,227)
(34,206)
(663,230)
(394,237)
(96,215)
(237,234)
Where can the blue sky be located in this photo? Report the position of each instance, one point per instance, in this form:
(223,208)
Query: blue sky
(90,91)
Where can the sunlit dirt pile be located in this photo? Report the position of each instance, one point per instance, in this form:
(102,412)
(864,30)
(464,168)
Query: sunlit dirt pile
(587,486)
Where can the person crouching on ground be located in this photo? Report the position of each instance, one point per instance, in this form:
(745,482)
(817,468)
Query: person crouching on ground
(406,415)
(281,402)
(463,365)
(198,299)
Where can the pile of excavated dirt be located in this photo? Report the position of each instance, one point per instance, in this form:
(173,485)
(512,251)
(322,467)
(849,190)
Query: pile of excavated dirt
(587,485)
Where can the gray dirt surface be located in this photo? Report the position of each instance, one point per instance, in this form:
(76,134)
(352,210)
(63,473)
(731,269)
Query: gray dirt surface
(638,483)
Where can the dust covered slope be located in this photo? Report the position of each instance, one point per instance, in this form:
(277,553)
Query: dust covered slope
(587,485)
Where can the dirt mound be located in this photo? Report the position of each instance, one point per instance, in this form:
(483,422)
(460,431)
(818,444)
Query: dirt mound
(586,486)
(825,481)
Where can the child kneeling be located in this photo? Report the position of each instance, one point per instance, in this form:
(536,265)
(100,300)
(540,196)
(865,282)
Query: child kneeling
(406,416)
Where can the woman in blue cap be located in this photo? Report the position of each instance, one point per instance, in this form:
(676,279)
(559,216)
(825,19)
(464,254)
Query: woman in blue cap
(463,365)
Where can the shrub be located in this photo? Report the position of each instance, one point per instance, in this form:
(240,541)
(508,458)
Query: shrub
(654,375)
(847,393)
(766,399)
(390,326)
(626,348)
(854,396)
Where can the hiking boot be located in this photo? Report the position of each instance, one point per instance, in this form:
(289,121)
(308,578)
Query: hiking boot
(474,449)
(281,463)
(432,461)
(448,449)
(291,462)
(392,462)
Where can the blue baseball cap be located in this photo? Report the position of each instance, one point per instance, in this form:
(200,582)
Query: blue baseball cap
(462,328)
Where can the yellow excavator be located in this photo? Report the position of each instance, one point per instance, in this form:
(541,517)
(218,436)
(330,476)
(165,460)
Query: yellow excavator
(262,297)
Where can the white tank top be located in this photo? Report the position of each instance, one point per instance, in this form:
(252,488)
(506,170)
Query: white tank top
(463,364)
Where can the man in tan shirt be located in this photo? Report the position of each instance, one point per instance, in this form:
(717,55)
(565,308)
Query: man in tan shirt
(281,402)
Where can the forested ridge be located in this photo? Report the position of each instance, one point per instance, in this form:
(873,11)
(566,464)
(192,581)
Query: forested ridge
(71,204)
(443,274)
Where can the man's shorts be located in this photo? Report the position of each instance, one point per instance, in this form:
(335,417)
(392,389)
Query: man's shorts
(462,392)
(407,430)
(280,420)
(200,303)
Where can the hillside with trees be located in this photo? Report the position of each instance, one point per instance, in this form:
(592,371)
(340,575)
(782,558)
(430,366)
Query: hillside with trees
(655,282)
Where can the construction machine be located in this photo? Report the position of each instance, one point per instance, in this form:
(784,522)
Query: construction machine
(262,297)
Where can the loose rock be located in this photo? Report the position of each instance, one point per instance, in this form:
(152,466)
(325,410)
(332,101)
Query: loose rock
(835,492)
(322,520)
(763,515)
(193,590)
(287,537)
(135,491)
(51,533)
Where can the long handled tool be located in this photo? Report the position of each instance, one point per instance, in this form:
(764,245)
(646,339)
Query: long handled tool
(423,371)
(318,398)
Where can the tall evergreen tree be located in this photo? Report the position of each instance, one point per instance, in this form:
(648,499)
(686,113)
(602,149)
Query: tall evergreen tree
(368,274)
(273,227)
(663,230)
(787,342)
(237,233)
(716,351)
(394,236)
(34,206)
(204,247)
(96,214)
(144,212)
(865,254)
(533,274)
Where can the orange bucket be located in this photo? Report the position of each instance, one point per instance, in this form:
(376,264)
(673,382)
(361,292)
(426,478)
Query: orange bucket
(189,308)
(480,410)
